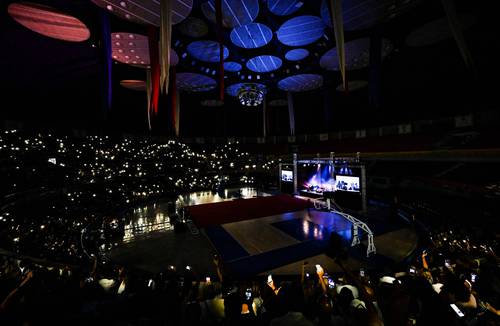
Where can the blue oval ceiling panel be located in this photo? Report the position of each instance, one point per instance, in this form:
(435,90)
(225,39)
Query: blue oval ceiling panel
(296,54)
(357,55)
(207,51)
(234,89)
(362,14)
(232,66)
(193,82)
(301,30)
(301,83)
(284,7)
(234,12)
(251,36)
(264,63)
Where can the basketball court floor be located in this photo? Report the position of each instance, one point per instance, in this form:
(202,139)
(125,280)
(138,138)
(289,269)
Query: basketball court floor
(276,244)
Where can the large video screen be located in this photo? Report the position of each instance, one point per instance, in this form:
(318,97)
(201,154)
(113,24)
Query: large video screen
(316,178)
(286,176)
(347,183)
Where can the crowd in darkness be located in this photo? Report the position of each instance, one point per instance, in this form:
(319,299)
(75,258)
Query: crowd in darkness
(54,187)
(454,281)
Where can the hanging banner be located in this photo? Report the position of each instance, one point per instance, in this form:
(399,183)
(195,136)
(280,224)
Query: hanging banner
(108,61)
(291,113)
(220,39)
(335,7)
(155,69)
(165,41)
(148,92)
(458,35)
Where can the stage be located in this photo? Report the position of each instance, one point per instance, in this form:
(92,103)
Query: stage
(261,235)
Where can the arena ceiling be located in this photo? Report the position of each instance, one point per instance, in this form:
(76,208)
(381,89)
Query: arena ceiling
(53,52)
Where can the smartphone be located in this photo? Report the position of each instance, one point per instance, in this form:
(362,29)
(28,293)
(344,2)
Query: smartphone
(269,278)
(447,263)
(150,283)
(188,267)
(473,277)
(362,272)
(412,271)
(457,311)
(248,294)
(331,283)
(207,279)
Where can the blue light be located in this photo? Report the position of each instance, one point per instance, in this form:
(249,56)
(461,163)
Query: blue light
(284,7)
(301,31)
(296,54)
(232,66)
(251,36)
(193,82)
(301,83)
(234,12)
(264,63)
(207,51)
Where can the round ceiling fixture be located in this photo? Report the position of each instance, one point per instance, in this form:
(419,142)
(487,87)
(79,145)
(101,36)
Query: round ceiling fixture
(133,49)
(437,31)
(296,54)
(192,82)
(250,94)
(357,54)
(363,14)
(301,30)
(234,12)
(353,85)
(251,36)
(264,63)
(135,85)
(146,11)
(284,7)
(301,83)
(207,51)
(193,27)
(49,22)
(235,88)
(232,66)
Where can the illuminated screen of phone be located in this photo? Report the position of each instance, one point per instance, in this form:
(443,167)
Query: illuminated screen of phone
(457,311)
